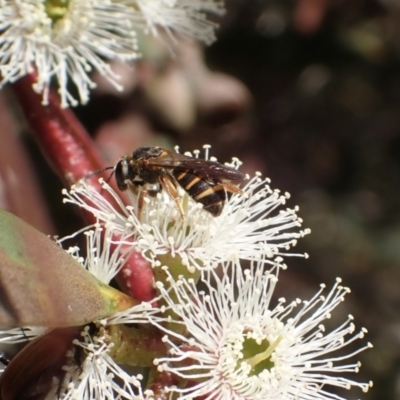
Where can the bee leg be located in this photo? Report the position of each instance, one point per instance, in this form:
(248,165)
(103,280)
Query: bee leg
(146,192)
(169,185)
(229,188)
(141,198)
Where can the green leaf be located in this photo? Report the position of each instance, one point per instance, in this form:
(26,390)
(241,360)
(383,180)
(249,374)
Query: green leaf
(42,285)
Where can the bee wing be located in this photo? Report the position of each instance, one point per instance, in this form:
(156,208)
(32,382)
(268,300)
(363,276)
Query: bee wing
(214,171)
(208,170)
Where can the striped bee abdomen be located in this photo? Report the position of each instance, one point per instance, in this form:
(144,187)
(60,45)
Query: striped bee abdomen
(212,197)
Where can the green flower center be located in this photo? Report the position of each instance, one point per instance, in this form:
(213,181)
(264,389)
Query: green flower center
(56,9)
(258,355)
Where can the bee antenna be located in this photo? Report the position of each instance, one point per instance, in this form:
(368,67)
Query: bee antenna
(99,172)
(112,173)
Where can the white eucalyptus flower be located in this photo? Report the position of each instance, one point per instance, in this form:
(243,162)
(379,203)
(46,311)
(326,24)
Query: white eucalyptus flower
(186,17)
(98,376)
(64,43)
(253,225)
(238,346)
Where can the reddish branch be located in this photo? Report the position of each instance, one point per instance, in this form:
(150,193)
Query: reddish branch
(72,154)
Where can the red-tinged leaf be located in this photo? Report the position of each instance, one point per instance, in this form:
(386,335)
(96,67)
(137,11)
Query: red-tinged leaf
(42,285)
(30,372)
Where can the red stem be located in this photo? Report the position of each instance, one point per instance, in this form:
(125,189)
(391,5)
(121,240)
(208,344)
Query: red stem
(64,141)
(72,154)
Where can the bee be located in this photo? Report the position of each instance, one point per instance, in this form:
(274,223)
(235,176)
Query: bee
(156,169)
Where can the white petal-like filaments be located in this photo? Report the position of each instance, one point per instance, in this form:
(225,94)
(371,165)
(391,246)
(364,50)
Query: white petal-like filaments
(97,376)
(236,307)
(185,17)
(66,49)
(106,252)
(252,226)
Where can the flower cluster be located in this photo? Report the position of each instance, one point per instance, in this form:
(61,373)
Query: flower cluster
(66,40)
(238,346)
(252,225)
(228,338)
(186,17)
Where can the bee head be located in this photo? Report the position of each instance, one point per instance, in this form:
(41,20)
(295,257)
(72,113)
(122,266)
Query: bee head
(124,171)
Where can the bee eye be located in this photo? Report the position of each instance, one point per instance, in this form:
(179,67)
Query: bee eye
(121,170)
(125,169)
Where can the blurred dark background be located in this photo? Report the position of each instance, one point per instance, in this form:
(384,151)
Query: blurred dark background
(325,126)
(308,92)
